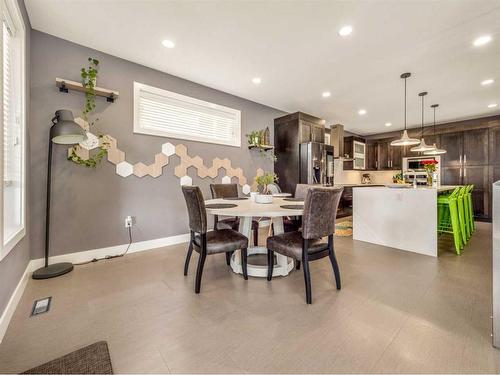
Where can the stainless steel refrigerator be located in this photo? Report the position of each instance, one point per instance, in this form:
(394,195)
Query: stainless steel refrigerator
(315,163)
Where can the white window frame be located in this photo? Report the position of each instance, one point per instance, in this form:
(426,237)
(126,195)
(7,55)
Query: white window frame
(9,10)
(138,87)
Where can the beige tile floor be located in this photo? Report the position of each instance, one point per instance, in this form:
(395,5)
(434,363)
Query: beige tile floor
(397,312)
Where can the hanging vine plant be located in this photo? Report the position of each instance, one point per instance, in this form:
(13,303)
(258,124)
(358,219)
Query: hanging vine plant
(89,80)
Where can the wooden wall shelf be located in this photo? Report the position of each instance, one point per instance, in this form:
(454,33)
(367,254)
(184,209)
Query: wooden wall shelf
(65,85)
(261,147)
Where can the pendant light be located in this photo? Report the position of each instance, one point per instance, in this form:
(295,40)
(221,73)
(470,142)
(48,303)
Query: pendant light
(405,140)
(422,147)
(436,151)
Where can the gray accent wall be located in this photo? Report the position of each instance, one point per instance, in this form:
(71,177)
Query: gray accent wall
(89,205)
(12,267)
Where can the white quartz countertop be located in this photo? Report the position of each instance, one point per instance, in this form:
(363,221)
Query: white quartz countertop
(438,189)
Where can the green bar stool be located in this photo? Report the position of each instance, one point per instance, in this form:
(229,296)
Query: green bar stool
(462,216)
(470,208)
(448,218)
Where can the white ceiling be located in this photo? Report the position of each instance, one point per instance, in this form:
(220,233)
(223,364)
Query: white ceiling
(294,47)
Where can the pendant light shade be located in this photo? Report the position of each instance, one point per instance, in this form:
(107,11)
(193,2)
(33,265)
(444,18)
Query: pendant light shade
(405,140)
(422,147)
(437,150)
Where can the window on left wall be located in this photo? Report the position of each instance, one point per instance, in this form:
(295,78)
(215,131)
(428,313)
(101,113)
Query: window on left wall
(13,166)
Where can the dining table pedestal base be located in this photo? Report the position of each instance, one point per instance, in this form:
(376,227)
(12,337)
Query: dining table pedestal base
(283,264)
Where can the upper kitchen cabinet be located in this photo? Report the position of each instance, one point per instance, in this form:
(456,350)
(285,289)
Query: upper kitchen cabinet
(453,144)
(494,141)
(371,156)
(475,143)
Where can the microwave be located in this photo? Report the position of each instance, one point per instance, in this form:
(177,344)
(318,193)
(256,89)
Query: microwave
(416,163)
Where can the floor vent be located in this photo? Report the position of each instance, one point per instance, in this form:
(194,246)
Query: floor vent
(41,306)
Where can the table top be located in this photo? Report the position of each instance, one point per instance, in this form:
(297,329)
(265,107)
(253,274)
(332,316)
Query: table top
(249,208)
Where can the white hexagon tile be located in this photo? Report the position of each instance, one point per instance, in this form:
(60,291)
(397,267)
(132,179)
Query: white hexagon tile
(245,189)
(124,169)
(91,142)
(186,181)
(168,149)
(226,180)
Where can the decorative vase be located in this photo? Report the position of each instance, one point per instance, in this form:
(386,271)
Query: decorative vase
(263,198)
(429,179)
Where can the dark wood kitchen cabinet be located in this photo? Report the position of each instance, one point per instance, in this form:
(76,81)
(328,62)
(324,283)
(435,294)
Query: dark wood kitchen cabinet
(494,146)
(475,147)
(396,156)
(389,157)
(371,156)
(453,144)
(478,176)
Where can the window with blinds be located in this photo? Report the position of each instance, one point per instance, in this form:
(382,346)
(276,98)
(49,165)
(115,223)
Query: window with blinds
(168,114)
(13,143)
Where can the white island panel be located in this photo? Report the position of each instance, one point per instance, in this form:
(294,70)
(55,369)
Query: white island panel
(405,219)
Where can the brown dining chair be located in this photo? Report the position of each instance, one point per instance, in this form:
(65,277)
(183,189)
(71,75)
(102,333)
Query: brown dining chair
(318,222)
(292,224)
(208,243)
(231,191)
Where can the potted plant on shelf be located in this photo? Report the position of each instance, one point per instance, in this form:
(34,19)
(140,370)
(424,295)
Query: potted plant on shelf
(263,181)
(430,168)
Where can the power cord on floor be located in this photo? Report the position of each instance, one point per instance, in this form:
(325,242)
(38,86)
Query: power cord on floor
(110,256)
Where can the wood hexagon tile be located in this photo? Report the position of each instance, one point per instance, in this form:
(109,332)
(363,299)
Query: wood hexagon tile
(115,156)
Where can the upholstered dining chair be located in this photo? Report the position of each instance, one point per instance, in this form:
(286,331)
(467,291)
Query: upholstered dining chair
(208,243)
(318,223)
(230,191)
(294,223)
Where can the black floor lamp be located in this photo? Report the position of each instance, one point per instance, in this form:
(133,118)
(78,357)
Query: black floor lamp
(64,131)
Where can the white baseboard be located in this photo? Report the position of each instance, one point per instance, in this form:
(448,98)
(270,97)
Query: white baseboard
(85,256)
(13,301)
(78,257)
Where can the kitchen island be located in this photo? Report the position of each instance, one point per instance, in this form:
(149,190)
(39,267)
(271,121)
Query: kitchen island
(402,218)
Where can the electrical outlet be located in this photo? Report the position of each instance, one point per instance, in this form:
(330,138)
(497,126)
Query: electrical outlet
(129,221)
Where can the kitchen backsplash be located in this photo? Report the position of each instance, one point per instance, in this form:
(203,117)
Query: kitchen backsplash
(354,177)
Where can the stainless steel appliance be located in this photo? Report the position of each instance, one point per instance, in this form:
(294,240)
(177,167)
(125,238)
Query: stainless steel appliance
(315,163)
(413,169)
(496,265)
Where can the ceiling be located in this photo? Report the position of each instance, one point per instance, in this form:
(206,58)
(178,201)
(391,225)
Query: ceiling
(294,47)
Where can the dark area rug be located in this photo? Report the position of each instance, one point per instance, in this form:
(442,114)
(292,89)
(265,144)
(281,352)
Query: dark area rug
(92,359)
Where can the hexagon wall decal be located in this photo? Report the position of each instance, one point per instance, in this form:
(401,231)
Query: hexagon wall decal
(91,142)
(168,149)
(186,181)
(124,169)
(226,180)
(245,189)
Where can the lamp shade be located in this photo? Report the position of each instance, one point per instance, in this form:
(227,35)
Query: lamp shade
(405,140)
(65,130)
(436,151)
(422,147)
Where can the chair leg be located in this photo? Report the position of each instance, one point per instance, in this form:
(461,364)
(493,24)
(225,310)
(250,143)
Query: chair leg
(270,264)
(201,263)
(333,260)
(297,264)
(244,258)
(307,280)
(188,258)
(229,254)
(256,236)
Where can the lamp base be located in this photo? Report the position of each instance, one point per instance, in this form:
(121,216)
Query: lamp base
(53,270)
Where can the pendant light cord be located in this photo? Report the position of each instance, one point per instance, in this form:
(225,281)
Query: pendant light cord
(422,130)
(405,103)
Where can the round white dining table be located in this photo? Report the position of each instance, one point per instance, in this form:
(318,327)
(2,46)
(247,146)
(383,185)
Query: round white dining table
(246,210)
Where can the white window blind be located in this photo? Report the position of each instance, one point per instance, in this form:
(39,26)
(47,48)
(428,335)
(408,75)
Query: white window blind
(13,91)
(168,114)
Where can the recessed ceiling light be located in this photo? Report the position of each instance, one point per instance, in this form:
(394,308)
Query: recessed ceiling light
(482,40)
(487,82)
(326,94)
(492,105)
(345,30)
(362,112)
(168,43)
(256,80)
(388,124)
